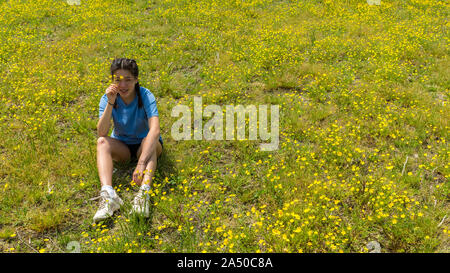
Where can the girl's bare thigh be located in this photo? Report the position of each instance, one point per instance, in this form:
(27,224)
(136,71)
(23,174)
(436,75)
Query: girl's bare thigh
(119,151)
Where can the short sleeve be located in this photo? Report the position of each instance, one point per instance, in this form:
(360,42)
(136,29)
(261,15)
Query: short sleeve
(149,101)
(102,105)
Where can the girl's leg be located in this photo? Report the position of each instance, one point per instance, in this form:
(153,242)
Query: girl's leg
(152,162)
(109,149)
(141,203)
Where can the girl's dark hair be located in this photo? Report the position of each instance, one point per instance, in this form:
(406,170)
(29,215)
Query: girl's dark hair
(130,65)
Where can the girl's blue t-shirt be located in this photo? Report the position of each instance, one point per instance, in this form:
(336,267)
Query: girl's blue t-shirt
(130,121)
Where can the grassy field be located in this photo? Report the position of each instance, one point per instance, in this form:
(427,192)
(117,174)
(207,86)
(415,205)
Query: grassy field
(363,155)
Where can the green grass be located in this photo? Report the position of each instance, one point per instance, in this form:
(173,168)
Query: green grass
(360,88)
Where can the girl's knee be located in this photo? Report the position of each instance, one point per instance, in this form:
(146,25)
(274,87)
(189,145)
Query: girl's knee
(102,142)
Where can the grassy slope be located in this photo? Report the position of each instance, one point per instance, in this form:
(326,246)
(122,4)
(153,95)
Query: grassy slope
(361,89)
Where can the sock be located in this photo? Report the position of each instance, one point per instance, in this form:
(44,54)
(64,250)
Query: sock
(145,187)
(110,190)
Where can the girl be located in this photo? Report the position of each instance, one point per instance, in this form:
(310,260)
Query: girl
(136,135)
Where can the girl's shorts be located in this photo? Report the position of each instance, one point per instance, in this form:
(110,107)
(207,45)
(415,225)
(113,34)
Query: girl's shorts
(134,148)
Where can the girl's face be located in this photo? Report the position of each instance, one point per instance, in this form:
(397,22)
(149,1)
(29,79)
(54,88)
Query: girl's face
(126,82)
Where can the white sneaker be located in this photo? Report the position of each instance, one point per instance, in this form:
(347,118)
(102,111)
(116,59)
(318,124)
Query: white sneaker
(141,204)
(108,205)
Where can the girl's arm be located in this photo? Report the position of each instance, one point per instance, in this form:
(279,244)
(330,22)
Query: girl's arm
(104,123)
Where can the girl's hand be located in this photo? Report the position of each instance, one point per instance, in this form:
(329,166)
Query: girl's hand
(138,174)
(111,93)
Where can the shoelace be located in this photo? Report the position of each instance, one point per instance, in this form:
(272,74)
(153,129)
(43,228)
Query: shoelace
(103,200)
